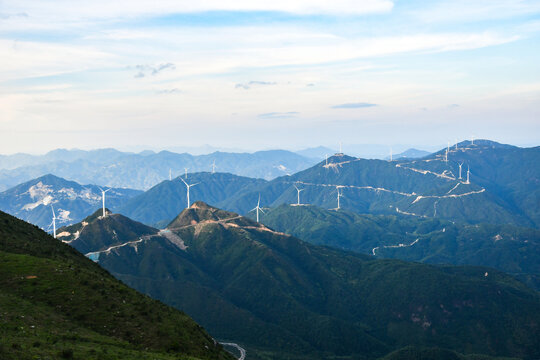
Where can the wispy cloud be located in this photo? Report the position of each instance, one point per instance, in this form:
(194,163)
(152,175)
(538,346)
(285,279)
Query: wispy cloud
(278,115)
(358,105)
(144,70)
(168,91)
(453,106)
(251,84)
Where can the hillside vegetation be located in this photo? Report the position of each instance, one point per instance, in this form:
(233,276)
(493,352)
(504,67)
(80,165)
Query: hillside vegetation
(55,303)
(281,297)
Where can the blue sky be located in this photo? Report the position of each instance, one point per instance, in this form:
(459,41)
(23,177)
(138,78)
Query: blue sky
(258,74)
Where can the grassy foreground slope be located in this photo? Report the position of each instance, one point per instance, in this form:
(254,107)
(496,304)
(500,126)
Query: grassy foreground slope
(55,303)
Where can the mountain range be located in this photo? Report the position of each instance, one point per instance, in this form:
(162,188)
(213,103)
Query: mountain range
(57,304)
(281,297)
(502,187)
(72,202)
(113,168)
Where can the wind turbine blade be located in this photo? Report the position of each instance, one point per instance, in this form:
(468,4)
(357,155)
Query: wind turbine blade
(252,209)
(108,189)
(100,188)
(52,208)
(194,184)
(261,210)
(184,182)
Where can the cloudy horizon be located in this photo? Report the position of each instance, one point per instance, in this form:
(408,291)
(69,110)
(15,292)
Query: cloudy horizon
(259,75)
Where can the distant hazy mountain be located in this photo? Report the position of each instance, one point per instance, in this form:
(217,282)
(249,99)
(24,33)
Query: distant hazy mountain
(409,154)
(57,304)
(32,200)
(508,248)
(319,152)
(285,298)
(160,204)
(503,186)
(109,167)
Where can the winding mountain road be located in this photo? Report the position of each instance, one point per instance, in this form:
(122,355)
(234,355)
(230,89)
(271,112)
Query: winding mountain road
(238,347)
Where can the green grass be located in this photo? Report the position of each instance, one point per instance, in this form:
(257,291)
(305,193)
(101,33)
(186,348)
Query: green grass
(56,303)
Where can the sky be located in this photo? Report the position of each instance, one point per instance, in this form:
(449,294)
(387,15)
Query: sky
(267,74)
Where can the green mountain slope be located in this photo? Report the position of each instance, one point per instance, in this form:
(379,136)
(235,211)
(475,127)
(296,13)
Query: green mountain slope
(55,303)
(283,297)
(512,249)
(503,186)
(92,234)
(160,204)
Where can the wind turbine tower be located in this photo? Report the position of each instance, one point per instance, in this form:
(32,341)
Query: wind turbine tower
(185,171)
(53,221)
(390,153)
(460,165)
(339,195)
(468,174)
(456,143)
(448,146)
(258,208)
(446,156)
(472,139)
(214,167)
(326,156)
(298,194)
(103,200)
(170,174)
(188,186)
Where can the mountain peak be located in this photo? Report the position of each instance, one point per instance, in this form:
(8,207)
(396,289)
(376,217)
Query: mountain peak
(200,211)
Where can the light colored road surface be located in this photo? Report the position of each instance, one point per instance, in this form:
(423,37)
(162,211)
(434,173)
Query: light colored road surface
(238,347)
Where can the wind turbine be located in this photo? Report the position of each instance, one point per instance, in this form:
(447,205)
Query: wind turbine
(448,146)
(298,193)
(390,153)
(258,208)
(472,139)
(460,165)
(456,143)
(468,174)
(185,170)
(103,199)
(188,186)
(339,195)
(446,156)
(214,167)
(170,174)
(326,156)
(53,221)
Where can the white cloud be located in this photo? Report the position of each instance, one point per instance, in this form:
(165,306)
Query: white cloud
(103,9)
(466,10)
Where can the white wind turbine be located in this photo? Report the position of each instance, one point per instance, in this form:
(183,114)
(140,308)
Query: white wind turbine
(188,186)
(339,195)
(103,199)
(468,171)
(170,174)
(390,153)
(298,194)
(53,221)
(185,170)
(214,167)
(460,165)
(258,208)
(446,155)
